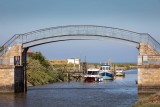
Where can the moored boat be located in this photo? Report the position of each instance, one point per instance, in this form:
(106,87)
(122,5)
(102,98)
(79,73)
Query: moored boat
(106,73)
(120,72)
(92,75)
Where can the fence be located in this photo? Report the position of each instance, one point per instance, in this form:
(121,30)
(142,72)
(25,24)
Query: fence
(149,60)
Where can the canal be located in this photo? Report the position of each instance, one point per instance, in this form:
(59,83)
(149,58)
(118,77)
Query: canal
(121,92)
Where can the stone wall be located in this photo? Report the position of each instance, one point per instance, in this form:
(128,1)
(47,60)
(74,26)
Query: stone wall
(145,49)
(148,70)
(8,74)
(149,79)
(15,50)
(6,78)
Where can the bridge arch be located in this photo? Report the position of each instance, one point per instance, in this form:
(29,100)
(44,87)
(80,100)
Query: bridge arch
(78,32)
(148,58)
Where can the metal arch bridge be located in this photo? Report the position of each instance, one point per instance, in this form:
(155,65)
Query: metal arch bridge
(78,32)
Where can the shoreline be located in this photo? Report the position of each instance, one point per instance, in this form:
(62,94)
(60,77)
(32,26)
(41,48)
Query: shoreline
(151,100)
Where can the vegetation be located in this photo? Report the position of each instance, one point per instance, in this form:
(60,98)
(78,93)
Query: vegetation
(150,101)
(38,56)
(40,72)
(126,66)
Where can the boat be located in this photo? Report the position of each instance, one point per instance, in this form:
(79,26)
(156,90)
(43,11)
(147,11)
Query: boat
(92,75)
(106,73)
(120,72)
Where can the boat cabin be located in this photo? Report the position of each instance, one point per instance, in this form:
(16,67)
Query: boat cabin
(92,75)
(105,68)
(92,71)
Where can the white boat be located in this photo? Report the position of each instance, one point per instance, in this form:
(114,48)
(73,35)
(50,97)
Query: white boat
(106,73)
(92,75)
(120,72)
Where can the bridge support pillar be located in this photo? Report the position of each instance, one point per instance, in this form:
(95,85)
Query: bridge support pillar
(24,62)
(148,69)
(13,70)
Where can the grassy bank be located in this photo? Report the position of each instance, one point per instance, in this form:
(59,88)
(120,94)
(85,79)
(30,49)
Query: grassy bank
(149,101)
(40,72)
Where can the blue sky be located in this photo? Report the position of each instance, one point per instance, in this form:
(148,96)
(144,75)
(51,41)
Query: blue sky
(21,16)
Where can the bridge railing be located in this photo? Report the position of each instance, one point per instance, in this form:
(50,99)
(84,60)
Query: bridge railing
(14,40)
(90,30)
(86,31)
(149,60)
(155,44)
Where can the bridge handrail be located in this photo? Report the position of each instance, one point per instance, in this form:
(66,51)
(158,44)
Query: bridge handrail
(67,26)
(113,32)
(153,42)
(150,60)
(7,44)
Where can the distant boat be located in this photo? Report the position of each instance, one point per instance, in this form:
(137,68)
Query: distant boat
(106,73)
(92,75)
(120,72)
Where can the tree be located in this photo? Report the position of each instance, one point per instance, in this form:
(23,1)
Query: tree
(37,74)
(41,58)
(39,71)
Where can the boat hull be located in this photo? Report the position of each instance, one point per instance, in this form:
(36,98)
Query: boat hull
(120,74)
(91,79)
(107,76)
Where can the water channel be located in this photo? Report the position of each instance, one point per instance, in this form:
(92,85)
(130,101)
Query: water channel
(121,92)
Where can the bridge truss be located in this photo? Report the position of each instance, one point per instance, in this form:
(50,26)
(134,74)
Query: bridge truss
(78,32)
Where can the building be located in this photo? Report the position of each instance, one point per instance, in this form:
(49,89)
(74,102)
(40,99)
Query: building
(29,53)
(73,61)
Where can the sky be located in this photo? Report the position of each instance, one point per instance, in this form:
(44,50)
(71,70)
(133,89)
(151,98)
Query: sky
(21,16)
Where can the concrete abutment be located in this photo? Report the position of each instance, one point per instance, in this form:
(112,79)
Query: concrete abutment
(148,69)
(11,71)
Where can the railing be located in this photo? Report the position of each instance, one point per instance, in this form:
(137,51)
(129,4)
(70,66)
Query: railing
(149,60)
(14,40)
(86,32)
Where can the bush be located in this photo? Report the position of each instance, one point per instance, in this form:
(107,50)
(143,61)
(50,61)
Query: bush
(38,56)
(40,72)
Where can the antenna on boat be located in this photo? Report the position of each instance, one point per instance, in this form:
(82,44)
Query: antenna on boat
(109,62)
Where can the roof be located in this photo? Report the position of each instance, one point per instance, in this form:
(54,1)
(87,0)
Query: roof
(29,52)
(93,69)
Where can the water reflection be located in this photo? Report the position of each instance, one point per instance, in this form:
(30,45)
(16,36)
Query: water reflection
(120,92)
(119,78)
(12,100)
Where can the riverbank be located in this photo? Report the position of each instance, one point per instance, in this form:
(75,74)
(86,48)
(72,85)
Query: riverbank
(40,72)
(149,101)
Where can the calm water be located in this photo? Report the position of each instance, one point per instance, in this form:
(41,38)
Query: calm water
(121,92)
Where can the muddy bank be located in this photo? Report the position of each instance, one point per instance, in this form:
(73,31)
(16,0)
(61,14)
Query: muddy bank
(149,101)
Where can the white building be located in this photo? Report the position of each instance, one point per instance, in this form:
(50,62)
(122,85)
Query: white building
(73,61)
